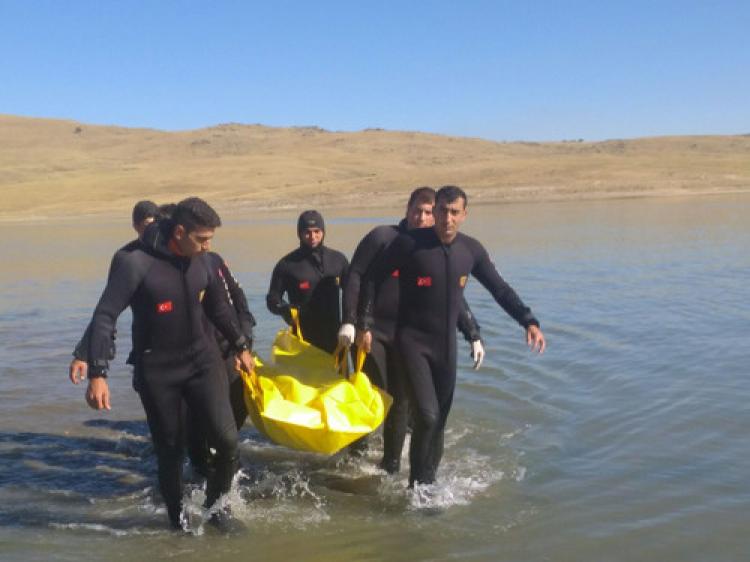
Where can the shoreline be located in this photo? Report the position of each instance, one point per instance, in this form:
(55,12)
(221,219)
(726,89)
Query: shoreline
(249,211)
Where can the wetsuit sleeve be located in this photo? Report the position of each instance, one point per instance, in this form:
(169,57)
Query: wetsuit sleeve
(81,351)
(274,301)
(467,322)
(486,273)
(218,310)
(125,278)
(393,257)
(364,256)
(239,300)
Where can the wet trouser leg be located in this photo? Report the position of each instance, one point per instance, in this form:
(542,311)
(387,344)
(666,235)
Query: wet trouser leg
(202,385)
(394,429)
(196,437)
(208,397)
(430,387)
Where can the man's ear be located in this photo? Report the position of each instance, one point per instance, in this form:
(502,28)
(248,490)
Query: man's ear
(179,232)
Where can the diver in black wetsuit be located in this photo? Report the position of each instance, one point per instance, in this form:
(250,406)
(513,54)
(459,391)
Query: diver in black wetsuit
(382,365)
(434,265)
(311,276)
(144,213)
(171,287)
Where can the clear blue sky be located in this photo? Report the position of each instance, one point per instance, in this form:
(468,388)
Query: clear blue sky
(503,70)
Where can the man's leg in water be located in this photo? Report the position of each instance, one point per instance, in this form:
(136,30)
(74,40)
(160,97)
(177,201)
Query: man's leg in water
(160,393)
(394,428)
(426,408)
(196,438)
(207,394)
(376,368)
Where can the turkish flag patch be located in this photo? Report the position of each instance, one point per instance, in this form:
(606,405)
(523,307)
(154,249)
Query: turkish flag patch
(424,281)
(164,307)
(395,273)
(304,285)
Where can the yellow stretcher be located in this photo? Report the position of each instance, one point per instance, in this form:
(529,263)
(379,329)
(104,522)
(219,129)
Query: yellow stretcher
(306,400)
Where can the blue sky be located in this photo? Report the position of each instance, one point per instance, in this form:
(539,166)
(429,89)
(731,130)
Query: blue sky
(530,70)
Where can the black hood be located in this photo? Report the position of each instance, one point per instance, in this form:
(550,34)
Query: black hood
(156,237)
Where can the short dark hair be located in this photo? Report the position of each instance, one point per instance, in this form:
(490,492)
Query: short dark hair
(167,210)
(450,193)
(193,213)
(143,210)
(421,195)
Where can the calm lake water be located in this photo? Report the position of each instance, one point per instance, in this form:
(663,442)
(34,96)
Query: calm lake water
(627,441)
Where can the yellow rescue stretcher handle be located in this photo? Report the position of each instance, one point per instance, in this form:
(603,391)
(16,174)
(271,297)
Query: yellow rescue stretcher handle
(295,319)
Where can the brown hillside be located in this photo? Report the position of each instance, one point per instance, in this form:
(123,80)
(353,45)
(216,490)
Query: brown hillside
(56,168)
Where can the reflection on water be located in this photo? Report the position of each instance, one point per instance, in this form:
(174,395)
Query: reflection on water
(627,440)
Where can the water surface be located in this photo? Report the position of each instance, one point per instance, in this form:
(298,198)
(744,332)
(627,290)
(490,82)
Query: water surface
(627,440)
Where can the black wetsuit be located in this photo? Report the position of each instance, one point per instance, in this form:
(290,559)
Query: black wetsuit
(82,347)
(383,365)
(197,440)
(432,277)
(176,357)
(312,279)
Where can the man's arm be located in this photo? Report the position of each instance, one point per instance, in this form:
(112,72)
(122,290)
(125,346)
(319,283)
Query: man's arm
(274,301)
(79,365)
(395,256)
(507,298)
(365,254)
(217,308)
(467,322)
(121,286)
(239,300)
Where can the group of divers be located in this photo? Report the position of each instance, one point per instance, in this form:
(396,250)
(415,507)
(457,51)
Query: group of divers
(400,299)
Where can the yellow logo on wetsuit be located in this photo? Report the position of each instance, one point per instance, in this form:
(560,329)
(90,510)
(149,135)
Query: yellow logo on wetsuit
(338,281)
(462,281)
(201,295)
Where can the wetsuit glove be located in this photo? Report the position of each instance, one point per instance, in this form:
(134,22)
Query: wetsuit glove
(346,335)
(477,353)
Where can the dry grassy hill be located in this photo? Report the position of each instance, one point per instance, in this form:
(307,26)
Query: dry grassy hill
(57,168)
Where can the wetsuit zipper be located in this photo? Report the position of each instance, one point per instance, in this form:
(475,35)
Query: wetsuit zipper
(183,274)
(448,331)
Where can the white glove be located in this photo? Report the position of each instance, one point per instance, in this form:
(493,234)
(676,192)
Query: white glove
(346,335)
(477,353)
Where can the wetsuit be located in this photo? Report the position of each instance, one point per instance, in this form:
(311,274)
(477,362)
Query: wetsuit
(82,347)
(432,277)
(176,357)
(197,440)
(312,279)
(246,321)
(383,365)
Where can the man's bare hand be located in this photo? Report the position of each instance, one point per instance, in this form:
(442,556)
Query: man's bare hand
(245,361)
(364,341)
(97,394)
(77,371)
(535,339)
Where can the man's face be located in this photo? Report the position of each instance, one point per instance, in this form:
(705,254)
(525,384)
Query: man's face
(312,237)
(194,242)
(448,218)
(140,228)
(419,216)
